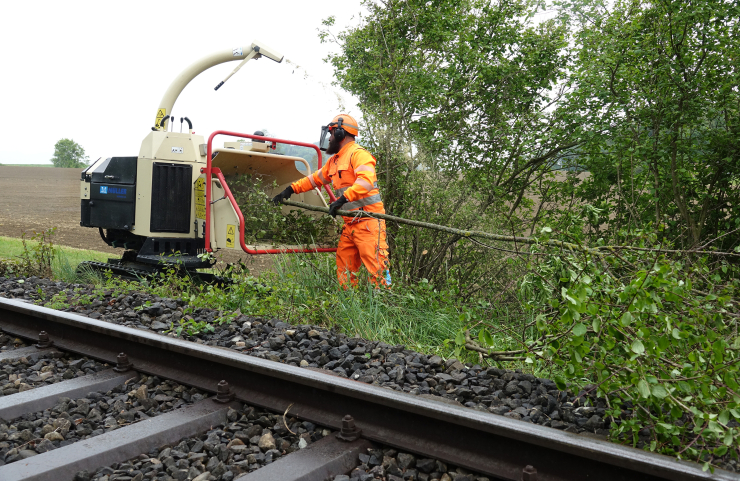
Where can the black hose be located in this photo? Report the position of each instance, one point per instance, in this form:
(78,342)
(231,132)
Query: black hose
(164,119)
(190,124)
(103,236)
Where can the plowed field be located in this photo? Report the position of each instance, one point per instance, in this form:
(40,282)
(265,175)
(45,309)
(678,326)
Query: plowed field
(38,198)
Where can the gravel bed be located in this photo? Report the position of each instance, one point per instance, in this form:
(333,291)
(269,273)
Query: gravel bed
(514,394)
(8,343)
(43,368)
(390,465)
(510,393)
(70,420)
(252,438)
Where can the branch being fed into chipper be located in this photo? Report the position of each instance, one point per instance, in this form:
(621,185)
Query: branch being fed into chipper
(472,234)
(465,234)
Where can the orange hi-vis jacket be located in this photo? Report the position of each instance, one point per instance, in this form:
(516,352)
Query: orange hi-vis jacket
(351,172)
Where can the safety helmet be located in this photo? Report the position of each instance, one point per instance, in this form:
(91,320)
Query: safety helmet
(346,122)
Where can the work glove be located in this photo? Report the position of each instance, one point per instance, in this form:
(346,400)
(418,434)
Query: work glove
(284,195)
(336,205)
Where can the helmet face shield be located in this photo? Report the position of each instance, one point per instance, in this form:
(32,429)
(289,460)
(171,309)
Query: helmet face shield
(324,140)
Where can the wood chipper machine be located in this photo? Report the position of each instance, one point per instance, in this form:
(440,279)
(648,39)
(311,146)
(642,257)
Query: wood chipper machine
(171,204)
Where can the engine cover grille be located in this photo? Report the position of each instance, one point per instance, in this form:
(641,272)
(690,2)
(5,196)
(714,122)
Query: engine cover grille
(171,196)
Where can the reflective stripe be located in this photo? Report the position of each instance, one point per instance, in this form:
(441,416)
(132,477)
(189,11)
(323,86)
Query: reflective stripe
(364,184)
(336,124)
(365,167)
(313,184)
(322,179)
(344,189)
(373,199)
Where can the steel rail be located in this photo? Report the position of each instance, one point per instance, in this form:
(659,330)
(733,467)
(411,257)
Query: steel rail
(482,442)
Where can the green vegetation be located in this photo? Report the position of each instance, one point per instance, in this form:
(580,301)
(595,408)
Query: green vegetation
(265,223)
(37,255)
(69,154)
(611,124)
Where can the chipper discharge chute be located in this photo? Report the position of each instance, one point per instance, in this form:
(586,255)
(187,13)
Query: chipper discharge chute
(171,204)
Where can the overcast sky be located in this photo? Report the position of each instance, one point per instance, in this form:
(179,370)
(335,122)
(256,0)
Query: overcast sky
(95,71)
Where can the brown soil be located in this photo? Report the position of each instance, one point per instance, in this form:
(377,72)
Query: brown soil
(38,198)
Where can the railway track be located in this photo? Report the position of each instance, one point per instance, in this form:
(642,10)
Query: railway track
(362,417)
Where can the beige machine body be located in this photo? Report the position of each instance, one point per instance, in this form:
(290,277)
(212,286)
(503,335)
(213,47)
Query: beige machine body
(154,204)
(170,149)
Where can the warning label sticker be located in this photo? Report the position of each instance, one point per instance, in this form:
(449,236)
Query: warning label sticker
(200,198)
(160,115)
(230,235)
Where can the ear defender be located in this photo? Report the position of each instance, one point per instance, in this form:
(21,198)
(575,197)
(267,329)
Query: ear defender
(339,132)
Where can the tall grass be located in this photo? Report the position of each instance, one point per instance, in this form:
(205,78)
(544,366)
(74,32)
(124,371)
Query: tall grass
(418,316)
(303,289)
(64,259)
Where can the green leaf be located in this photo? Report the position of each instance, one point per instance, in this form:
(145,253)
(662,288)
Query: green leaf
(720,451)
(540,321)
(560,383)
(724,417)
(485,338)
(596,324)
(637,347)
(659,391)
(579,329)
(460,338)
(626,319)
(728,438)
(676,333)
(643,389)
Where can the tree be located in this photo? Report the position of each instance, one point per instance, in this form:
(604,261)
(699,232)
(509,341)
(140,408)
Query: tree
(69,154)
(659,80)
(459,101)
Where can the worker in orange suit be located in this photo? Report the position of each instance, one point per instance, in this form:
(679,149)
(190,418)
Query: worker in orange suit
(351,171)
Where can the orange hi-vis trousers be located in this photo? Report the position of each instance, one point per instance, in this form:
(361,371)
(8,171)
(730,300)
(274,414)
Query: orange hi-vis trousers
(363,242)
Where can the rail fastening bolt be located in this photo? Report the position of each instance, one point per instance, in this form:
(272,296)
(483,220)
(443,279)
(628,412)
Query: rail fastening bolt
(44,340)
(223,392)
(349,431)
(529,474)
(123,364)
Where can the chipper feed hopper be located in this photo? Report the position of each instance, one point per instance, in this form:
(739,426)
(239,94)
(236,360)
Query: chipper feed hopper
(171,203)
